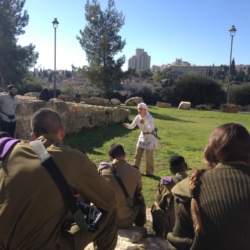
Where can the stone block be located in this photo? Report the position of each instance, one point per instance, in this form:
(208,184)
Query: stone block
(115,101)
(163,105)
(185,105)
(246,107)
(75,117)
(134,101)
(203,107)
(230,108)
(66,97)
(32,94)
(96,100)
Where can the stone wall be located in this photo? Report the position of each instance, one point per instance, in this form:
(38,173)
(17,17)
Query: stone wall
(75,116)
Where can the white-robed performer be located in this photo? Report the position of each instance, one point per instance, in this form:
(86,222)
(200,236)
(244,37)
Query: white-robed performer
(146,141)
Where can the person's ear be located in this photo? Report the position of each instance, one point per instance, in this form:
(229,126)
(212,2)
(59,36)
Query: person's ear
(110,158)
(172,171)
(62,132)
(33,136)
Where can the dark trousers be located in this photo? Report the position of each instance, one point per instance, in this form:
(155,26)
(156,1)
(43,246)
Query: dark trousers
(8,127)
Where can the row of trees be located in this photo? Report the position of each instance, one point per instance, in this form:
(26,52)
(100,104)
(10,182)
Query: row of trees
(101,41)
(196,89)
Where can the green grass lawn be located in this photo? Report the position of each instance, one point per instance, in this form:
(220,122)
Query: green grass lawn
(183,132)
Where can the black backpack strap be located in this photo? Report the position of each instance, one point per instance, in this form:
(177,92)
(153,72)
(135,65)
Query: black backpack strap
(48,163)
(129,200)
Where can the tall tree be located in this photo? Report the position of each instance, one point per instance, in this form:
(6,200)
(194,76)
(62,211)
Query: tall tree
(101,42)
(15,60)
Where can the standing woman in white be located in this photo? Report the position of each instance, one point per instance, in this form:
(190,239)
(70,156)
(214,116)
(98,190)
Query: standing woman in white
(146,141)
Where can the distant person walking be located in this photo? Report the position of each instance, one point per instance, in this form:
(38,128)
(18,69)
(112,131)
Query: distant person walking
(147,139)
(8,105)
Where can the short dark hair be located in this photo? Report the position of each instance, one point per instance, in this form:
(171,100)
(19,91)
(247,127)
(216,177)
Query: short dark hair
(116,150)
(177,163)
(228,142)
(10,87)
(45,121)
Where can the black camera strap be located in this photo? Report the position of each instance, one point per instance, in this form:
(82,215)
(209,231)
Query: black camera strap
(48,163)
(129,200)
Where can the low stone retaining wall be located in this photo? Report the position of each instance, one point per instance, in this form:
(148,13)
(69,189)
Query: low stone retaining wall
(75,116)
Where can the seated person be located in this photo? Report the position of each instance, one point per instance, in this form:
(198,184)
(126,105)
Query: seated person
(163,208)
(213,204)
(32,209)
(131,179)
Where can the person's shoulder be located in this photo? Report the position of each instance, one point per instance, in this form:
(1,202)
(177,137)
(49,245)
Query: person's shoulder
(149,118)
(166,180)
(137,117)
(103,165)
(131,168)
(4,95)
(72,151)
(182,191)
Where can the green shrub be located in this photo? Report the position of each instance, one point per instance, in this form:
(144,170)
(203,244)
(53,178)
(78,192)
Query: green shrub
(68,89)
(147,95)
(111,95)
(240,94)
(198,89)
(30,85)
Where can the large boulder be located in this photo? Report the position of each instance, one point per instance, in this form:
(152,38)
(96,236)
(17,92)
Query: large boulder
(203,107)
(32,94)
(134,101)
(96,100)
(230,108)
(115,101)
(25,98)
(246,107)
(184,105)
(135,238)
(66,97)
(163,105)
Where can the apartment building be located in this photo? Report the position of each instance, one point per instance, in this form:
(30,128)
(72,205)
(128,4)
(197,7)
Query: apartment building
(140,61)
(202,70)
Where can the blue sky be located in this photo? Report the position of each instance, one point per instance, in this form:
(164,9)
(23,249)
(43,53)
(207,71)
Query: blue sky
(196,31)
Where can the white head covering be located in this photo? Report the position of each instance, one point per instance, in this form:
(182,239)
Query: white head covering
(143,106)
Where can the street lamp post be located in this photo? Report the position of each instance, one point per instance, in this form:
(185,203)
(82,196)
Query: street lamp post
(232,33)
(55,24)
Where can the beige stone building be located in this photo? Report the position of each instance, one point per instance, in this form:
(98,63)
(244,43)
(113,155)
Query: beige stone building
(140,61)
(202,70)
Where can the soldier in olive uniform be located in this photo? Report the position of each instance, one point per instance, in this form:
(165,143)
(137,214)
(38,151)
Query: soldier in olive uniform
(131,178)
(163,208)
(32,209)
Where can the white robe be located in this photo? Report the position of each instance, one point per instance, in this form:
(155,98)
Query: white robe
(146,141)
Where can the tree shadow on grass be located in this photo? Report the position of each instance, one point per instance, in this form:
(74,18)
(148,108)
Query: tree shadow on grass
(159,116)
(87,140)
(157,178)
(168,118)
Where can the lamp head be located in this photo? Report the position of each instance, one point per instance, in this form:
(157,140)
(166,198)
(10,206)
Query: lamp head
(55,23)
(232,30)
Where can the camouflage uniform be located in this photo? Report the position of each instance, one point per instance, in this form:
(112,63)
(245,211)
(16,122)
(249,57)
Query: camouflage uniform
(32,209)
(163,208)
(131,179)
